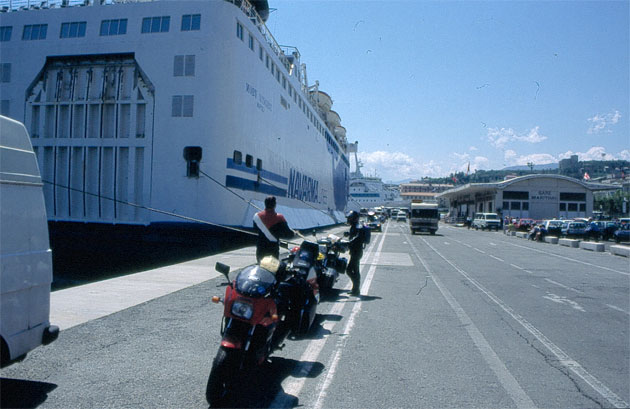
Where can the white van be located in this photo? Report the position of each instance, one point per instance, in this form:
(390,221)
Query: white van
(486,221)
(25,255)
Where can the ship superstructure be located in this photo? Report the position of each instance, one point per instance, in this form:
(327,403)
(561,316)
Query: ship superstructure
(369,191)
(190,108)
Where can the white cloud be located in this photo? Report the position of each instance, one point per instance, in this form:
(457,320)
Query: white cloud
(500,137)
(602,122)
(473,149)
(397,166)
(596,153)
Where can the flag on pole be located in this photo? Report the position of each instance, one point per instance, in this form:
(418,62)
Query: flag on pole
(468,170)
(586,176)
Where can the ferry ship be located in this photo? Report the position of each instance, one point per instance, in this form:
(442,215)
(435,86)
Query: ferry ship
(369,191)
(162,114)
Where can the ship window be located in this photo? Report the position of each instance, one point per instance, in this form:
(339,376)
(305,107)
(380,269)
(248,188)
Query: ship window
(192,155)
(239,30)
(278,75)
(251,42)
(182,106)
(5,72)
(5,33)
(259,165)
(72,30)
(273,69)
(260,52)
(284,82)
(184,66)
(113,27)
(35,32)
(267,61)
(249,161)
(156,24)
(237,158)
(191,22)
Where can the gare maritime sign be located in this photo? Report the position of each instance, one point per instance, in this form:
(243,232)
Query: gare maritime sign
(544,195)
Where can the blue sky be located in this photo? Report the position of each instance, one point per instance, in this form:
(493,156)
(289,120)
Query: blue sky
(428,87)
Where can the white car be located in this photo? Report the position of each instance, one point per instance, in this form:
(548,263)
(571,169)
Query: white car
(401,217)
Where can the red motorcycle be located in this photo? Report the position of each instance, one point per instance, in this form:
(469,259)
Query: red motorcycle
(260,309)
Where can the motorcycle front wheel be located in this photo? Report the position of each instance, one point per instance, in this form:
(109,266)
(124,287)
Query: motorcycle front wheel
(222,377)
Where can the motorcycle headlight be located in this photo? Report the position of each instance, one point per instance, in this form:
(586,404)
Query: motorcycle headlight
(242,309)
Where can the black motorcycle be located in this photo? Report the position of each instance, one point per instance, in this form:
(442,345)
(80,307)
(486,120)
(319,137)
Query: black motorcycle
(332,264)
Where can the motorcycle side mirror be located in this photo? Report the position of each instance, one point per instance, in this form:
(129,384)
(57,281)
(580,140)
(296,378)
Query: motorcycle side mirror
(223,269)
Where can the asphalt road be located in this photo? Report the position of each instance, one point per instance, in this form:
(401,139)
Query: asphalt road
(457,320)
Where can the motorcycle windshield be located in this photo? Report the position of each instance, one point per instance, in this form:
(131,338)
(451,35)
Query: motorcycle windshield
(255,281)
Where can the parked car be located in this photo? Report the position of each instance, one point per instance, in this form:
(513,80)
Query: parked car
(573,229)
(553,227)
(623,233)
(525,224)
(401,216)
(608,229)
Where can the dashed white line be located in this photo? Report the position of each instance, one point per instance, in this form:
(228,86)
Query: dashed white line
(617,309)
(480,251)
(505,377)
(563,286)
(497,258)
(562,356)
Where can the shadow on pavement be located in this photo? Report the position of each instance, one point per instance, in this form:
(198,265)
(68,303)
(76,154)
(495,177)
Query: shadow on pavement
(18,393)
(264,385)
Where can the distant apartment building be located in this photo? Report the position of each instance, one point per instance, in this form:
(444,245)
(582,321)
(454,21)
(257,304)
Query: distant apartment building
(426,192)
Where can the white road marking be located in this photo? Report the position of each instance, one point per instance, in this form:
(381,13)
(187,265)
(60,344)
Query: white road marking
(563,286)
(562,356)
(492,244)
(480,251)
(515,266)
(292,386)
(497,258)
(617,309)
(563,300)
(507,380)
(323,388)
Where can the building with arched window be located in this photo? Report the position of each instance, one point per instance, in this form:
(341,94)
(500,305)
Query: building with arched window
(532,196)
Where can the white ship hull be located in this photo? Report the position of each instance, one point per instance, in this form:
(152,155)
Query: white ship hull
(118,121)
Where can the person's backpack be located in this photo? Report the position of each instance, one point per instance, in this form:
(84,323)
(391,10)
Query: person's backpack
(366,234)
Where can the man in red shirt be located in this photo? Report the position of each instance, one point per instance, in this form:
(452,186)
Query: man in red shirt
(271,226)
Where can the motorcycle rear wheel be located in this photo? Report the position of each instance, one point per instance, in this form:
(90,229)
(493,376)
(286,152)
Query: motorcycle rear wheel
(221,378)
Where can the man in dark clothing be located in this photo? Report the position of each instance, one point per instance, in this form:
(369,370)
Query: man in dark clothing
(355,247)
(271,226)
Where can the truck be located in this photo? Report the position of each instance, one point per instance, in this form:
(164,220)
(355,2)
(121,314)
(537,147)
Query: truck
(25,256)
(423,217)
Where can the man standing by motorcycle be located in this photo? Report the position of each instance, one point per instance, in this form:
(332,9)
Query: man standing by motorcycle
(271,226)
(355,247)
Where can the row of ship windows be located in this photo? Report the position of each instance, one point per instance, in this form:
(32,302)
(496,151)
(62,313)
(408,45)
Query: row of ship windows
(74,29)
(282,79)
(183,66)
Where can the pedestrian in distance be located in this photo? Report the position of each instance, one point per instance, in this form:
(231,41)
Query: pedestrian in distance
(356,241)
(271,227)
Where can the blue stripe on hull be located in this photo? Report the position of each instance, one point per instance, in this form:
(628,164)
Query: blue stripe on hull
(253,186)
(253,171)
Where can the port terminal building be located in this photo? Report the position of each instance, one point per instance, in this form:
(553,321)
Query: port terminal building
(532,196)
